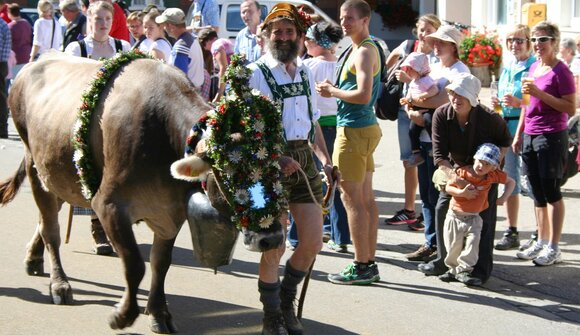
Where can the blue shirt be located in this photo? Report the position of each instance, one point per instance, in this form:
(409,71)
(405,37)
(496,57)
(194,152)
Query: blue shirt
(247,44)
(208,12)
(5,41)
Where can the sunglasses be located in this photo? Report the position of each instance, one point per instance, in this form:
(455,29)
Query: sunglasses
(541,39)
(516,40)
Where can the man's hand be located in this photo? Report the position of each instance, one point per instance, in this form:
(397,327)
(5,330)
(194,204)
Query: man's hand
(324,88)
(288,165)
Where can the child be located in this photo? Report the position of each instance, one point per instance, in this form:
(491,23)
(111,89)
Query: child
(462,230)
(421,87)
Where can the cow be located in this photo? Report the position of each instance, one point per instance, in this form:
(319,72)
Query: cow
(138,129)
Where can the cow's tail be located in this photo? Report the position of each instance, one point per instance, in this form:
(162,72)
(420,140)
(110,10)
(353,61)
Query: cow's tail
(9,187)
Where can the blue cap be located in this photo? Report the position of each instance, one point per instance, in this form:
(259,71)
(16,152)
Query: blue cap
(488,152)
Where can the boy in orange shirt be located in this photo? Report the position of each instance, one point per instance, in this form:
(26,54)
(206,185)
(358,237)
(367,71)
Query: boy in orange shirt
(463,224)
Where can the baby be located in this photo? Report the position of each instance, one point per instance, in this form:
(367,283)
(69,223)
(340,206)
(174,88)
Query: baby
(462,230)
(421,87)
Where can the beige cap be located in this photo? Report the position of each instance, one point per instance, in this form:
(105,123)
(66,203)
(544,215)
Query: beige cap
(448,33)
(467,86)
(171,15)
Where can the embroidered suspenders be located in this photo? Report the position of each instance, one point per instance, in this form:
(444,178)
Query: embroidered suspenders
(281,92)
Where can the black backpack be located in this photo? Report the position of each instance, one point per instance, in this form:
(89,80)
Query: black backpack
(388,102)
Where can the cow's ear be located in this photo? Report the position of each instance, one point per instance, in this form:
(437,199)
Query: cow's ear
(192,168)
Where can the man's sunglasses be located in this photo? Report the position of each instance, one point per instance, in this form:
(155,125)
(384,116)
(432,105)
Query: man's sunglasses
(542,39)
(516,40)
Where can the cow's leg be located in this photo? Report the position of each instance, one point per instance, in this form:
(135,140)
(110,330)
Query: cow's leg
(160,320)
(34,260)
(49,230)
(117,225)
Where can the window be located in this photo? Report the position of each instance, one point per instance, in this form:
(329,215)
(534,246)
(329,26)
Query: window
(234,21)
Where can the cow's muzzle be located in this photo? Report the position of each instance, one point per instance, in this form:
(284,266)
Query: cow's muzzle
(267,239)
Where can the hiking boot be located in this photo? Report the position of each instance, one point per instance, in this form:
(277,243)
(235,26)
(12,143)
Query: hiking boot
(510,240)
(341,248)
(402,217)
(418,225)
(102,245)
(274,325)
(533,239)
(548,256)
(353,275)
(530,253)
(421,254)
(415,160)
(293,324)
(447,277)
(467,279)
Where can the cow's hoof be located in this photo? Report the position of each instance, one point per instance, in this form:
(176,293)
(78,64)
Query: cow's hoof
(35,267)
(163,324)
(118,321)
(61,293)
(103,249)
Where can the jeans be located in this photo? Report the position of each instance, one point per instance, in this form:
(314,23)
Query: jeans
(428,193)
(336,222)
(484,266)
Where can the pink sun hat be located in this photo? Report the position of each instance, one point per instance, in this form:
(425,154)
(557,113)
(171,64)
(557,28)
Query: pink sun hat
(418,61)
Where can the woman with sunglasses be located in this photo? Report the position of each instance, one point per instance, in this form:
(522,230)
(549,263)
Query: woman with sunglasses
(510,91)
(544,144)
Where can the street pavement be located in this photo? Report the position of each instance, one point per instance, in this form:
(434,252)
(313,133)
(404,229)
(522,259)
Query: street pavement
(520,298)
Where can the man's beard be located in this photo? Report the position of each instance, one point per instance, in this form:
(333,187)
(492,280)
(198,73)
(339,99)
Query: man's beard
(283,51)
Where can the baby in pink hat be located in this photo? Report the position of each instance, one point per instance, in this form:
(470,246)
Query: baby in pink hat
(421,87)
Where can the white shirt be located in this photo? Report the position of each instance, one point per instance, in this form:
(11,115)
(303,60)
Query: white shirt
(74,48)
(43,35)
(295,118)
(161,45)
(322,70)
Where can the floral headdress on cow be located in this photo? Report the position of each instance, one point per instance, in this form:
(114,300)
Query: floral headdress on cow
(243,137)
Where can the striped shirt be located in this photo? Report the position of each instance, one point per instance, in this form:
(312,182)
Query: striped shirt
(188,57)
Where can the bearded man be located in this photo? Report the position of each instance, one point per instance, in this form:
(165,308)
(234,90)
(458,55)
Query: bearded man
(281,76)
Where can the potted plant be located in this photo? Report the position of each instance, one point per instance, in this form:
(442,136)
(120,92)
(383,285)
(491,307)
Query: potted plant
(481,51)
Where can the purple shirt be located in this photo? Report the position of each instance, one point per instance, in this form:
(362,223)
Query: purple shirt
(21,32)
(540,117)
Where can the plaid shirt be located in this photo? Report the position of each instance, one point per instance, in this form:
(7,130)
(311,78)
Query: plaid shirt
(5,41)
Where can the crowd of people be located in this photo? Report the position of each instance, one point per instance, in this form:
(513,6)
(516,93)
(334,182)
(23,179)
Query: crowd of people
(453,147)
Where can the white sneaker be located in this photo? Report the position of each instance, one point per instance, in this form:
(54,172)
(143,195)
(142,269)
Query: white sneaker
(530,253)
(548,256)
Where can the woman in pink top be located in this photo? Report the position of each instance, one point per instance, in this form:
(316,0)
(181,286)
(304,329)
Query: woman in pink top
(544,143)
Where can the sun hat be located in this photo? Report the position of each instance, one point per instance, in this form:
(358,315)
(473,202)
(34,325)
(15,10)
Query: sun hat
(448,33)
(418,61)
(171,15)
(488,152)
(467,86)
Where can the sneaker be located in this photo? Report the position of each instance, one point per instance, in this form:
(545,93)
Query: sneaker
(274,325)
(415,160)
(353,275)
(510,240)
(548,256)
(530,253)
(341,248)
(533,239)
(375,272)
(467,279)
(421,254)
(418,225)
(447,277)
(402,217)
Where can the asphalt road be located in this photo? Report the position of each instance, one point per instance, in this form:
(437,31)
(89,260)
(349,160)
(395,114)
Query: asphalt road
(520,298)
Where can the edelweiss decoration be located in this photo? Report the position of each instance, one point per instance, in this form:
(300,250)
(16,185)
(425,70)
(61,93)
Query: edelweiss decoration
(82,156)
(244,141)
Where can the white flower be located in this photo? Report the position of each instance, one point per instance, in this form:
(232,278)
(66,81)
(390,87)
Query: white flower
(256,92)
(262,153)
(278,187)
(211,114)
(235,156)
(259,126)
(78,155)
(256,175)
(276,165)
(77,126)
(242,196)
(267,221)
(240,72)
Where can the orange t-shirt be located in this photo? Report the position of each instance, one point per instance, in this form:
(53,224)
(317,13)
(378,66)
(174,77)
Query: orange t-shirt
(483,184)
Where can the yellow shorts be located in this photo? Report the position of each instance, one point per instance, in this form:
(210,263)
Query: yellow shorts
(353,151)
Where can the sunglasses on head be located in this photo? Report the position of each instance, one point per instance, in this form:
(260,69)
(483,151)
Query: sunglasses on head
(541,39)
(516,40)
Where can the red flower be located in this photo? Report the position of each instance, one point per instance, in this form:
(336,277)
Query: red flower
(244,221)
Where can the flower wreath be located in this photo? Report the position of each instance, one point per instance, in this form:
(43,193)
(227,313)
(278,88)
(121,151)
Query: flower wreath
(244,141)
(83,156)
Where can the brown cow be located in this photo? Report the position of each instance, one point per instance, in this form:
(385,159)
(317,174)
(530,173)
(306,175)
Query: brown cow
(137,130)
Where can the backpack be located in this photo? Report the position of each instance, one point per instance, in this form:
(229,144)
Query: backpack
(387,107)
(83,45)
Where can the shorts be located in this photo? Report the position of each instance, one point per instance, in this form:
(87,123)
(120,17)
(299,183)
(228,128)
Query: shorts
(545,155)
(403,124)
(295,185)
(353,151)
(512,166)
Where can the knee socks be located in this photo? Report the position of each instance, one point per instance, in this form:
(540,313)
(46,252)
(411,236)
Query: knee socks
(289,287)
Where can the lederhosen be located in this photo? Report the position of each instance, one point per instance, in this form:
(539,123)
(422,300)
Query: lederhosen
(298,150)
